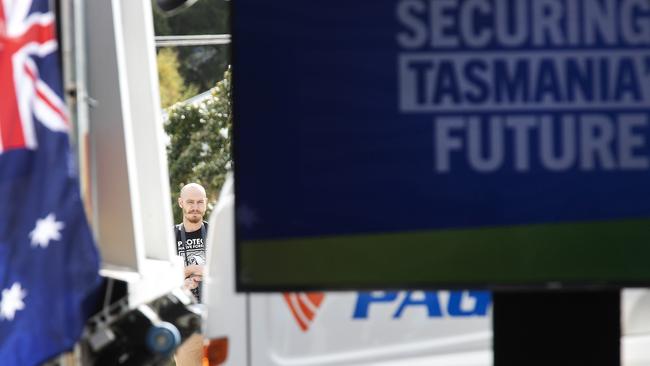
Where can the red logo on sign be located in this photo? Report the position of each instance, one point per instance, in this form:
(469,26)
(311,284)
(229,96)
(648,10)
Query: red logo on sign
(303,306)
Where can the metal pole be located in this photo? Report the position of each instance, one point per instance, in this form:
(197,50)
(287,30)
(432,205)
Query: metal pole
(195,40)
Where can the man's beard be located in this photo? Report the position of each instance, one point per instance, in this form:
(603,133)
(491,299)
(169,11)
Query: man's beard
(193,219)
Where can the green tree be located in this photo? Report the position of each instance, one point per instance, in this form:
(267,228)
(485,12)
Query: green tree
(203,17)
(199,65)
(200,143)
(173,87)
(160,24)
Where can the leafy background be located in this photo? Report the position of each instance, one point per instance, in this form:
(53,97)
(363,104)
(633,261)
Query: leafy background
(199,148)
(200,143)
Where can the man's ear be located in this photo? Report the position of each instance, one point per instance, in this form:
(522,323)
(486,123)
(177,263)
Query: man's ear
(180,202)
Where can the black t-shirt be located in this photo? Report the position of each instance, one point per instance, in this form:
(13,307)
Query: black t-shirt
(191,248)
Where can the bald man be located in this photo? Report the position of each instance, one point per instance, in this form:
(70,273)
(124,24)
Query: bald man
(190,244)
(191,233)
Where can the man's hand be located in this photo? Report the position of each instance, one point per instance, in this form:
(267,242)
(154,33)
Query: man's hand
(192,282)
(193,270)
(193,276)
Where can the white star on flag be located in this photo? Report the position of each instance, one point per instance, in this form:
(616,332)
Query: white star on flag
(46,229)
(12,301)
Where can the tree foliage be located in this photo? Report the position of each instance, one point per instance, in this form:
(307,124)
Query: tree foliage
(199,65)
(200,143)
(173,88)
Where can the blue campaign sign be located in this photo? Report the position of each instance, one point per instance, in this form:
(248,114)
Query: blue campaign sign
(441,142)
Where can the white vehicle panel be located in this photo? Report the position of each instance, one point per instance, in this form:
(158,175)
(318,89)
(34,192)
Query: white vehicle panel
(348,329)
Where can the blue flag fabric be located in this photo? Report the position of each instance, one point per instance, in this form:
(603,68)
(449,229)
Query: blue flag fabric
(48,260)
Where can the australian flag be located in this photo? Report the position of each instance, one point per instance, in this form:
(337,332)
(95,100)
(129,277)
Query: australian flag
(48,260)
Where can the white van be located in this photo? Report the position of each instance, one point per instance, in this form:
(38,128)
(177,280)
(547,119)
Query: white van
(382,328)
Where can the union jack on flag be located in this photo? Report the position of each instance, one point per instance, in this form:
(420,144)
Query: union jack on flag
(27,36)
(48,260)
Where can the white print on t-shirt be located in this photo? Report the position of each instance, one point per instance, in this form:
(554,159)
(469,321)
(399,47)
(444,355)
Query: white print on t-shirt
(190,244)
